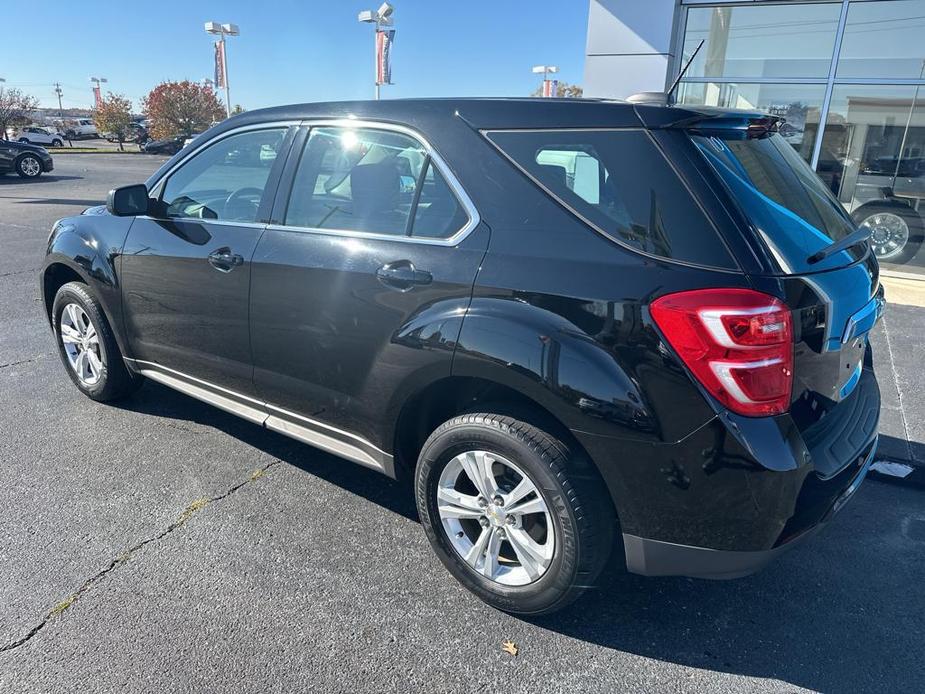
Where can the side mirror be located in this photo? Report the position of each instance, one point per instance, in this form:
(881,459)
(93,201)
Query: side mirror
(128,201)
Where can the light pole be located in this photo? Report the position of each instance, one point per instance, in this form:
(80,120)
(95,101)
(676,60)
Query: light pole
(381,17)
(545,70)
(97,94)
(223,30)
(60,93)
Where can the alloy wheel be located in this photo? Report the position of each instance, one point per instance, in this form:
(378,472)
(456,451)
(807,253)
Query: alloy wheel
(889,233)
(81,344)
(495,518)
(30,166)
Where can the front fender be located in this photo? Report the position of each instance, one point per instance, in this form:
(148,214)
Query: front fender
(609,379)
(88,247)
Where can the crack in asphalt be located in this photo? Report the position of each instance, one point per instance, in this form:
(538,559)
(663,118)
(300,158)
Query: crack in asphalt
(122,558)
(18,272)
(899,391)
(25,361)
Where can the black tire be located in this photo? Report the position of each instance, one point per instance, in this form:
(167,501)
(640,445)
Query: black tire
(29,166)
(912,219)
(24,139)
(115,380)
(57,143)
(582,515)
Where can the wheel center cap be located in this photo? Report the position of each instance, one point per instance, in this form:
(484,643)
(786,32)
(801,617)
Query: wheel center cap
(496,515)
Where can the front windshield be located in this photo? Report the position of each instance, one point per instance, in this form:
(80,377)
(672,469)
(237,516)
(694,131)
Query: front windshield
(792,210)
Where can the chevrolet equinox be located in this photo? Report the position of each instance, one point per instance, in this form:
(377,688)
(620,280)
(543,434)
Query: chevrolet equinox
(577,326)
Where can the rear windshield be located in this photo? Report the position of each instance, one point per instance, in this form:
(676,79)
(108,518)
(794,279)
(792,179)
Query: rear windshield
(618,182)
(789,206)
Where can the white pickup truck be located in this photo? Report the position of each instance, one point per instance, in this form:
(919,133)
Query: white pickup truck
(82,128)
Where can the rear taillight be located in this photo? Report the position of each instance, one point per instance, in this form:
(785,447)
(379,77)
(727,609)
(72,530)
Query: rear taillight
(737,342)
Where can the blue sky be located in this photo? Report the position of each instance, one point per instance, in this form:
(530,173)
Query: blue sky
(297,51)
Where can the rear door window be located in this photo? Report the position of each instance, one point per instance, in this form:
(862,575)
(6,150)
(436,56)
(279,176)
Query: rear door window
(618,182)
(372,181)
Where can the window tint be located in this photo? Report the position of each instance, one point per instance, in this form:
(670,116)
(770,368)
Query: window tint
(226,180)
(619,182)
(438,213)
(356,180)
(794,212)
(374,181)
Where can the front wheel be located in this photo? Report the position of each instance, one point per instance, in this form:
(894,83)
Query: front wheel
(29,166)
(57,143)
(511,512)
(87,346)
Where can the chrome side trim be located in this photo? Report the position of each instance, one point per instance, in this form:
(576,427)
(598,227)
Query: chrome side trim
(324,436)
(471,212)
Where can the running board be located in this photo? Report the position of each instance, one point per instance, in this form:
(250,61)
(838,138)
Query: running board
(331,439)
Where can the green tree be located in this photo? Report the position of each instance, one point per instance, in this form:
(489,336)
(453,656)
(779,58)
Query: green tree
(15,109)
(181,108)
(571,91)
(114,116)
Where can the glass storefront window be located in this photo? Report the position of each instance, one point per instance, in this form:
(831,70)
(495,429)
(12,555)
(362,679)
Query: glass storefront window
(798,104)
(873,160)
(884,40)
(793,40)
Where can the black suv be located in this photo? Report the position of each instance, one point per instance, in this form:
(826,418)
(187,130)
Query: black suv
(27,160)
(579,326)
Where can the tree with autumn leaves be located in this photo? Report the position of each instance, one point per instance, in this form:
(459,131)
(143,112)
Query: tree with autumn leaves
(181,108)
(15,109)
(113,115)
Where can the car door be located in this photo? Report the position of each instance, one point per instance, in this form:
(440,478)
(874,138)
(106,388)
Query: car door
(186,269)
(360,284)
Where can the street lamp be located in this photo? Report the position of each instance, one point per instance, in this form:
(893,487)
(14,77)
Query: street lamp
(223,30)
(97,94)
(545,70)
(381,17)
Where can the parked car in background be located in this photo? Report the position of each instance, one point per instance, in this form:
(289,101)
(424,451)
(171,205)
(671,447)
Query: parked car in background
(82,129)
(29,161)
(136,133)
(169,145)
(37,135)
(576,327)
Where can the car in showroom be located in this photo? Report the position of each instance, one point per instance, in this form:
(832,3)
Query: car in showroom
(29,161)
(577,328)
(37,135)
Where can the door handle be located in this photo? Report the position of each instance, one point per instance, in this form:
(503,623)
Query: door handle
(224,260)
(402,275)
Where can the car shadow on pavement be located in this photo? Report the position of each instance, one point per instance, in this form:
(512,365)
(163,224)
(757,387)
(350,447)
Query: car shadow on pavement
(829,616)
(155,399)
(44,178)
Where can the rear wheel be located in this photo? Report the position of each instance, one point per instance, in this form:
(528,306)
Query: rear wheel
(511,514)
(87,346)
(29,166)
(57,143)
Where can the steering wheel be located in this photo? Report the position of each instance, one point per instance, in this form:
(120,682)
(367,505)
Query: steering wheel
(241,205)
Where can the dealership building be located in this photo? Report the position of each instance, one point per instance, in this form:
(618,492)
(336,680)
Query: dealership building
(856,66)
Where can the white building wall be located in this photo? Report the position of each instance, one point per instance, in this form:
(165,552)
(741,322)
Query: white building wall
(629,47)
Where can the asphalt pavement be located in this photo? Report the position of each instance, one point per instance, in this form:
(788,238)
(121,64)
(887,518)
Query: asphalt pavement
(161,545)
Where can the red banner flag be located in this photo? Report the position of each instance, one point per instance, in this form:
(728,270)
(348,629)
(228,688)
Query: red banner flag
(221,72)
(384,39)
(97,97)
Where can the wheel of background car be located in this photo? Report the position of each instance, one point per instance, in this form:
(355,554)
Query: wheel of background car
(24,139)
(87,346)
(239,207)
(28,166)
(57,143)
(896,230)
(510,514)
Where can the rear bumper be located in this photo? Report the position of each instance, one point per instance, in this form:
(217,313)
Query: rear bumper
(650,557)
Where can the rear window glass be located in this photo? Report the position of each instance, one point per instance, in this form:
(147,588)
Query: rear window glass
(618,181)
(789,206)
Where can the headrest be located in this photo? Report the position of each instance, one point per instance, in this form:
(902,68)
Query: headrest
(374,187)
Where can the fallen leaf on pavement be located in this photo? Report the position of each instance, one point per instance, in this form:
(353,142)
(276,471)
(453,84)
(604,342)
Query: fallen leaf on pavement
(509,647)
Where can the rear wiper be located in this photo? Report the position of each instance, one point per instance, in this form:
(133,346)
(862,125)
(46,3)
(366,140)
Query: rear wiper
(860,236)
